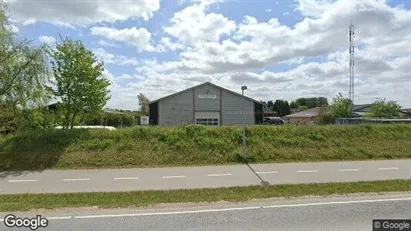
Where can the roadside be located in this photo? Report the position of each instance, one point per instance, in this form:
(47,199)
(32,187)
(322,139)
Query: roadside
(146,147)
(343,212)
(24,202)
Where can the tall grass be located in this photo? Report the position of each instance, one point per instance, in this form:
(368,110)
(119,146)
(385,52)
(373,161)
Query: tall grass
(201,145)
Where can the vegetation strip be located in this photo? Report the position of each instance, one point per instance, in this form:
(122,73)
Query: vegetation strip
(200,145)
(23,202)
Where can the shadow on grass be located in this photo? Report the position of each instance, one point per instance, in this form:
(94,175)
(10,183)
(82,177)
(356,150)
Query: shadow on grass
(35,151)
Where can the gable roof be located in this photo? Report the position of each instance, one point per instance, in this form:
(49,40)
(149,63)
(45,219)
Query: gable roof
(307,113)
(203,84)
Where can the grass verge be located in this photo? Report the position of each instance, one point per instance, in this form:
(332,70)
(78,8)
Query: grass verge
(144,198)
(201,145)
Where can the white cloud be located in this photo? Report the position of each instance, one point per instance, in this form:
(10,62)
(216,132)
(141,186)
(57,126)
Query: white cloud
(170,45)
(82,12)
(267,43)
(49,40)
(268,10)
(12,28)
(124,93)
(193,26)
(137,37)
(109,58)
(382,32)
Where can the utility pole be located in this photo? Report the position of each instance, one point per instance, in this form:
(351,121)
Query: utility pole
(243,88)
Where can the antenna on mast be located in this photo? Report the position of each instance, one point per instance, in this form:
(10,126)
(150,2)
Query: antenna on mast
(351,51)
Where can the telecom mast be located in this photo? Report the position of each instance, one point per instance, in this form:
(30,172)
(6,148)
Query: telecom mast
(351,51)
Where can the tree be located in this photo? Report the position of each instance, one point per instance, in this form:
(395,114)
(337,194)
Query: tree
(23,67)
(79,83)
(341,107)
(270,105)
(311,102)
(282,107)
(385,109)
(143,102)
(294,105)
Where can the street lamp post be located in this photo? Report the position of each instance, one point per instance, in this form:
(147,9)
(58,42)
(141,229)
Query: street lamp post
(244,124)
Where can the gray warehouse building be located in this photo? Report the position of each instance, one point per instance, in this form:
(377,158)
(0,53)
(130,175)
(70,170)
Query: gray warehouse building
(206,104)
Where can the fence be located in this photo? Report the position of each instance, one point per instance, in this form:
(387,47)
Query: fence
(347,121)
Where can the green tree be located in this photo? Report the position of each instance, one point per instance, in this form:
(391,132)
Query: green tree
(286,110)
(282,107)
(341,107)
(294,105)
(270,105)
(79,83)
(385,109)
(23,67)
(143,102)
(311,102)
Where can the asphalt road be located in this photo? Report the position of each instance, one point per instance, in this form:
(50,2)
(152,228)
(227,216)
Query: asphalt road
(328,214)
(109,180)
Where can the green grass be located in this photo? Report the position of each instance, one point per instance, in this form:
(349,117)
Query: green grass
(200,145)
(146,198)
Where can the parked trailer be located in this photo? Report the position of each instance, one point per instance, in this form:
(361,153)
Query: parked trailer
(90,127)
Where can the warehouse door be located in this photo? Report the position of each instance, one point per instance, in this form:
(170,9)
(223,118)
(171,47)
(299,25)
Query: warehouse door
(208,118)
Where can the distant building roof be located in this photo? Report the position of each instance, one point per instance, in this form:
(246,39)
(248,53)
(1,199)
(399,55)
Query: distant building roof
(406,111)
(307,113)
(361,107)
(110,111)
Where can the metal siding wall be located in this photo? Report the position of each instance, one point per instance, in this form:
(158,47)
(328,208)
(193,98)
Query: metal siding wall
(207,104)
(183,109)
(232,110)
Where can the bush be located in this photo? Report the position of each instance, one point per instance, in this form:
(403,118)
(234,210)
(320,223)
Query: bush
(324,119)
(149,146)
(110,119)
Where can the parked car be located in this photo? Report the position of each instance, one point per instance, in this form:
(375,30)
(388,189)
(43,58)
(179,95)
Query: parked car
(273,120)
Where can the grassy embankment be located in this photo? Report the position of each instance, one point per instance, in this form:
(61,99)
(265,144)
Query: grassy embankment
(195,145)
(145,198)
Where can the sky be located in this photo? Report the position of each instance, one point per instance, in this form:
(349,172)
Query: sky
(279,49)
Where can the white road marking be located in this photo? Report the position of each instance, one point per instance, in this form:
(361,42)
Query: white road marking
(77,179)
(349,170)
(126,178)
(167,213)
(272,172)
(391,168)
(58,218)
(1,220)
(307,171)
(336,202)
(240,208)
(169,177)
(222,174)
(20,181)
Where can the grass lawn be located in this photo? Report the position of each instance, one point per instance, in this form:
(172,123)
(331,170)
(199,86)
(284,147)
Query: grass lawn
(144,198)
(200,145)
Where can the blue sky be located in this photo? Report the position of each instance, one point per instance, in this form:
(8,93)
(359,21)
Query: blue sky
(280,49)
